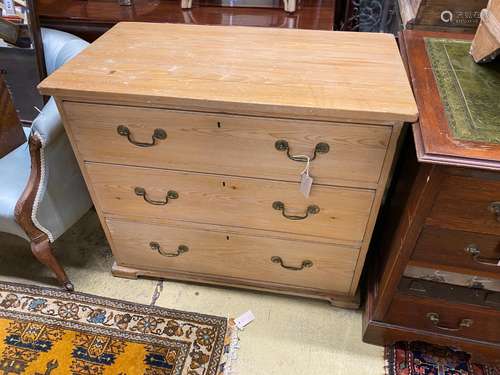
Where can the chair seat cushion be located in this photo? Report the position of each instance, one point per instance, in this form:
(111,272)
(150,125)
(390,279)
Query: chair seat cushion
(14,174)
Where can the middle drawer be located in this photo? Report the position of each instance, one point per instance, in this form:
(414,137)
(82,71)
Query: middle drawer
(329,212)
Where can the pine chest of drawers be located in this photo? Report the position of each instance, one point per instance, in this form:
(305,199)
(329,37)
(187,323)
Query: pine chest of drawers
(192,141)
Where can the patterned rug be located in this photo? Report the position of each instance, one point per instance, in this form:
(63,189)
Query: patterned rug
(419,358)
(48,331)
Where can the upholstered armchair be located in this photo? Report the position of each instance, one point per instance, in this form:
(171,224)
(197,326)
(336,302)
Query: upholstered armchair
(42,192)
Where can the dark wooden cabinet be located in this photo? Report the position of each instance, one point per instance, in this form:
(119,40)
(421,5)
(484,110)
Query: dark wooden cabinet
(435,273)
(91,18)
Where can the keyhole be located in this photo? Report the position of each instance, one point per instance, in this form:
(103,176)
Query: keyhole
(224,183)
(218,124)
(227,238)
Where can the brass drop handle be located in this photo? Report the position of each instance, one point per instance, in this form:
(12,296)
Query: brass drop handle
(475,253)
(311,210)
(159,134)
(141,192)
(495,209)
(305,264)
(464,323)
(321,148)
(155,246)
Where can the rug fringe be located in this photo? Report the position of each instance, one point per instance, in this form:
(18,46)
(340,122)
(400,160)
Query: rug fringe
(233,347)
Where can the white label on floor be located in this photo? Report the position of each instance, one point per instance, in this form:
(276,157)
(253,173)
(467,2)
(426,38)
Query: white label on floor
(243,320)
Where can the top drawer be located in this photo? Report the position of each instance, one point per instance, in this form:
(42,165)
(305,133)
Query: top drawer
(231,145)
(468,204)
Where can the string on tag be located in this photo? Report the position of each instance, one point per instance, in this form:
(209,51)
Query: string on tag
(305,179)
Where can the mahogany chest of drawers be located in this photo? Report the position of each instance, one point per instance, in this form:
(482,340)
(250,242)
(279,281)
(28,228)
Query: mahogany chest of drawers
(438,274)
(193,146)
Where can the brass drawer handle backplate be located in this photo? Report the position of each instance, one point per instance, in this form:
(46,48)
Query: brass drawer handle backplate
(141,192)
(464,323)
(321,148)
(159,134)
(495,208)
(311,210)
(305,264)
(475,253)
(155,246)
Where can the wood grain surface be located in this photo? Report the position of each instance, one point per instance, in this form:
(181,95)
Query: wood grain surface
(229,254)
(445,249)
(463,203)
(232,201)
(261,71)
(485,326)
(233,145)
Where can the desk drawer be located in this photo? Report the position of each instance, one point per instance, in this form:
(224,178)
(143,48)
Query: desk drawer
(329,212)
(468,204)
(458,251)
(232,145)
(441,316)
(156,247)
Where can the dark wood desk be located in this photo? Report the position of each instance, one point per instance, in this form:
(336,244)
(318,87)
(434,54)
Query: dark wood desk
(89,19)
(435,274)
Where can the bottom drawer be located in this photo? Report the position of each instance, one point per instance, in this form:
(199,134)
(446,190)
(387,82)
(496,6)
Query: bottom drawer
(202,251)
(437,315)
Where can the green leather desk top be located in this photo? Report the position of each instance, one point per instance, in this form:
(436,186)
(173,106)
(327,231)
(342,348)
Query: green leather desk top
(470,93)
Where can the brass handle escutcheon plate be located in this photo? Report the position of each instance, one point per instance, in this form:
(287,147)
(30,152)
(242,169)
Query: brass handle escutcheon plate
(434,318)
(475,253)
(311,210)
(141,192)
(305,264)
(155,246)
(282,145)
(495,209)
(158,134)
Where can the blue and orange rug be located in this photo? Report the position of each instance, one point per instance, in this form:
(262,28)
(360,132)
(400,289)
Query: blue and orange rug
(47,331)
(417,358)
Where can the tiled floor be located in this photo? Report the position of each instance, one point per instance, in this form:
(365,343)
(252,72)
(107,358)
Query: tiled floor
(290,336)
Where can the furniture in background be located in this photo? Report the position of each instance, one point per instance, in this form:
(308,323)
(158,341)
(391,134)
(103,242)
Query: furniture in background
(377,16)
(90,19)
(42,190)
(11,132)
(438,275)
(195,173)
(439,15)
(486,44)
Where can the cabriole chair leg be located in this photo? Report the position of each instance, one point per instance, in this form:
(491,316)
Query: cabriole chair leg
(43,252)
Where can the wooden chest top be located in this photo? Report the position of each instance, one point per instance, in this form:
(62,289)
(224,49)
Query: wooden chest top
(257,71)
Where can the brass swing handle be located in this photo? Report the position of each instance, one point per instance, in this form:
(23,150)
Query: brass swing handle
(495,209)
(159,134)
(155,246)
(311,210)
(305,264)
(321,148)
(475,253)
(141,192)
(434,318)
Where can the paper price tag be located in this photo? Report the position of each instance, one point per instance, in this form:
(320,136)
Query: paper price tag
(306,182)
(245,319)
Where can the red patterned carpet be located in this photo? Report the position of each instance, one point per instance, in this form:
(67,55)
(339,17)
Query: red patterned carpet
(419,358)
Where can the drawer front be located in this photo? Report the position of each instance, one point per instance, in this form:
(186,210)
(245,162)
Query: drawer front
(440,316)
(468,204)
(224,200)
(233,145)
(181,248)
(460,251)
